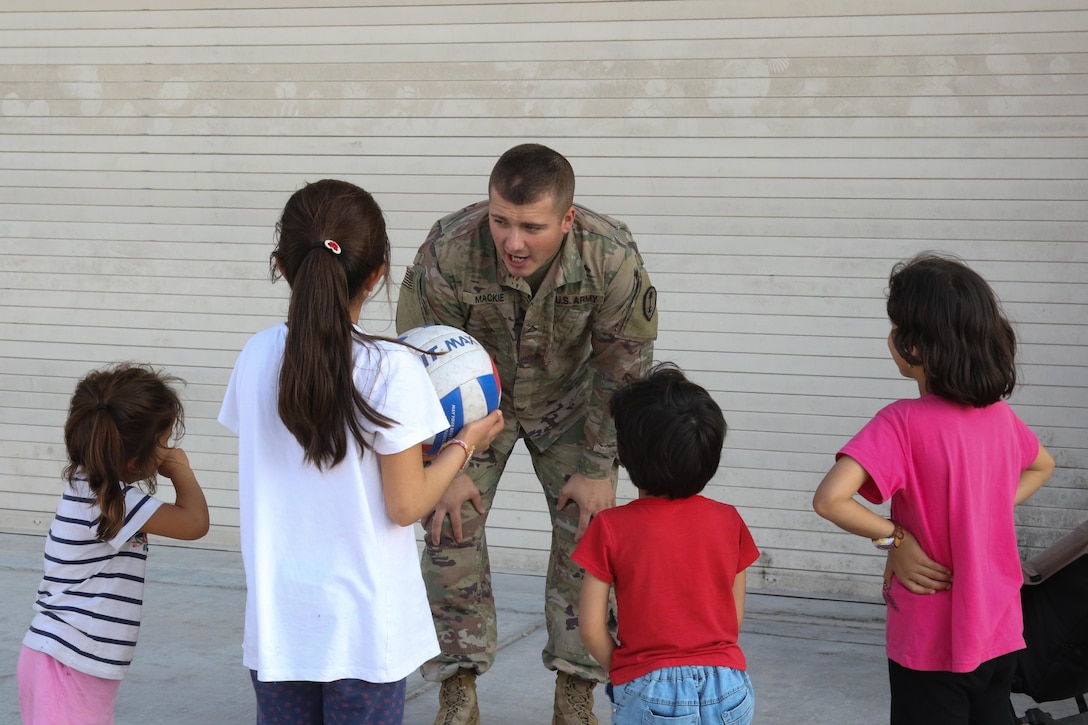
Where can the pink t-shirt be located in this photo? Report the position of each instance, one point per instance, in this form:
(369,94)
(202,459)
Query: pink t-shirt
(951,471)
(673,564)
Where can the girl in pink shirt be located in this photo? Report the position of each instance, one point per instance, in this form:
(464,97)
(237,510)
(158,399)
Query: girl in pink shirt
(954,462)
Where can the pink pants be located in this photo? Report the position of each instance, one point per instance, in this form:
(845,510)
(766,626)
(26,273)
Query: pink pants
(51,693)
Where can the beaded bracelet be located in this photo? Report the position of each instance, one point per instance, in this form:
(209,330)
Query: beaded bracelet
(891,542)
(469,450)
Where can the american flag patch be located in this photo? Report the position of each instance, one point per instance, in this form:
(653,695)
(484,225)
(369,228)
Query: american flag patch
(409,281)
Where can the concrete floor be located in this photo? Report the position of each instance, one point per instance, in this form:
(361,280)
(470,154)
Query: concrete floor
(811,660)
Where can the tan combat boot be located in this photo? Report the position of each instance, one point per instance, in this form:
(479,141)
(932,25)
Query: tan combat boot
(573,700)
(457,700)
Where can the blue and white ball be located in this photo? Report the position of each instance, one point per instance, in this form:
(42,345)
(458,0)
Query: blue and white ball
(463,374)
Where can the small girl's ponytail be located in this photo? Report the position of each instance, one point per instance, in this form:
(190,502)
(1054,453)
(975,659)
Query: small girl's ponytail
(116,419)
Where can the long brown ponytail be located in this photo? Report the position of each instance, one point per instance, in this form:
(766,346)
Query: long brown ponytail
(318,401)
(116,417)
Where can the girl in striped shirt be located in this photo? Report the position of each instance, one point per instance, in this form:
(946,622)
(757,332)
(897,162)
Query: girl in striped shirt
(121,423)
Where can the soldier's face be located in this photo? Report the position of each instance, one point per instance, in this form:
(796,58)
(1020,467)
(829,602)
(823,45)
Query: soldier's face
(527,236)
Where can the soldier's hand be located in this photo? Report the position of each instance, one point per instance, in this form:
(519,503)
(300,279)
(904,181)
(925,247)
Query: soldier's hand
(460,492)
(592,496)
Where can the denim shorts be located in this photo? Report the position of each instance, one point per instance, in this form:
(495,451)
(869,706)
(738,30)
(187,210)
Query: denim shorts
(689,695)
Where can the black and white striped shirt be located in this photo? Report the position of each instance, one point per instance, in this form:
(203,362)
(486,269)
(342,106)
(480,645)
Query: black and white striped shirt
(90,599)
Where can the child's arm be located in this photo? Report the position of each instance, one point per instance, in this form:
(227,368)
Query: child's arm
(187,517)
(410,490)
(1035,476)
(593,620)
(834,500)
(740,584)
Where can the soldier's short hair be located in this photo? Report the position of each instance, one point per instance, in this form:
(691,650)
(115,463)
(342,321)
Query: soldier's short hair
(669,433)
(527,173)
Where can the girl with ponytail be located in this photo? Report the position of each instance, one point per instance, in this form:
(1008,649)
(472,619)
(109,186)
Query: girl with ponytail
(121,423)
(331,477)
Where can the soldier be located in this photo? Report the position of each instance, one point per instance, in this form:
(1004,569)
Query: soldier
(558,295)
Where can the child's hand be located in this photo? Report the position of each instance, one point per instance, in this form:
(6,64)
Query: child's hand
(174,463)
(482,432)
(915,570)
(187,518)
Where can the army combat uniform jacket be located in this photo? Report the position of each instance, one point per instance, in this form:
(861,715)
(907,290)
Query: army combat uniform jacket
(560,352)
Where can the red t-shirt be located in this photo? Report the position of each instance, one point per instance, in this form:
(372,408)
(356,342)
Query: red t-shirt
(672,564)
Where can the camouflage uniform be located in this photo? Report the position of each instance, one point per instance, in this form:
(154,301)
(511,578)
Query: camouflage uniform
(560,354)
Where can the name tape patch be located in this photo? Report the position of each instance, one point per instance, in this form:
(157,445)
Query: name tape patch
(483,298)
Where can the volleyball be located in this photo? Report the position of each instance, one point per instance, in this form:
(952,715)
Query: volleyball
(463,375)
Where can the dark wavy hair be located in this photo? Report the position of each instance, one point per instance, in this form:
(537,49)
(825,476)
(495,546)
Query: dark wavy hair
(669,433)
(948,319)
(527,173)
(116,417)
(318,400)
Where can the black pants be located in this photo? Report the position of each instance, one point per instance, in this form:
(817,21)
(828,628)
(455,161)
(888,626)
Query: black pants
(329,703)
(980,697)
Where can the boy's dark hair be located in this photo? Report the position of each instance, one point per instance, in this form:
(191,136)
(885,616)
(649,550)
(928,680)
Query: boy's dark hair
(669,433)
(318,400)
(527,173)
(116,416)
(948,319)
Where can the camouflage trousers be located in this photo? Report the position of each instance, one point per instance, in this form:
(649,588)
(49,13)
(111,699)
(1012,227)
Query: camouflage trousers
(458,575)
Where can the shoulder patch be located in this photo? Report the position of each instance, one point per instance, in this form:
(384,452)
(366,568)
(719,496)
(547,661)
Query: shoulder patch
(649,303)
(641,323)
(410,300)
(409,281)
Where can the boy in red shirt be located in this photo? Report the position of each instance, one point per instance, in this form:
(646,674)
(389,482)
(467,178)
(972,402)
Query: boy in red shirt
(676,560)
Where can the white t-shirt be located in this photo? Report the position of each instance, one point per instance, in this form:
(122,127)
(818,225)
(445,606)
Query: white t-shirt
(90,600)
(334,584)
